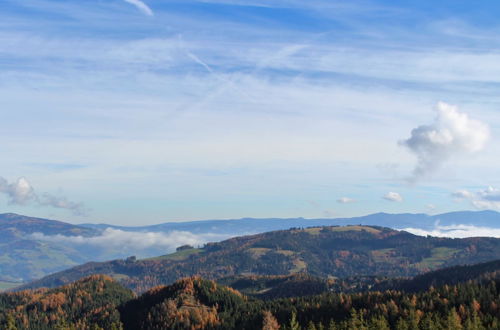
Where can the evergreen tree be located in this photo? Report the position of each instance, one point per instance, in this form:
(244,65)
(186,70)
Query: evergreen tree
(294,325)
(453,321)
(10,323)
(269,322)
(311,326)
(378,323)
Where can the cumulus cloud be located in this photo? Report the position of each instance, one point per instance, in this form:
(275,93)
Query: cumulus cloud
(141,6)
(125,243)
(21,192)
(456,231)
(345,200)
(393,197)
(452,133)
(488,198)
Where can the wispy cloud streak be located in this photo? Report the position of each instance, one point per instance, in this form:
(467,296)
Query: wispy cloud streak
(141,6)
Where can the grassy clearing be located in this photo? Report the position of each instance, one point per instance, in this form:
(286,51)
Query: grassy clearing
(299,265)
(313,231)
(438,257)
(285,252)
(355,228)
(257,252)
(8,285)
(177,256)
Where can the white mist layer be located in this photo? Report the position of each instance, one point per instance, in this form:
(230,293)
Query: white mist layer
(456,231)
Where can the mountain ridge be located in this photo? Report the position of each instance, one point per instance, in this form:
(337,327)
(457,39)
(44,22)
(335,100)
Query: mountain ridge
(319,251)
(26,255)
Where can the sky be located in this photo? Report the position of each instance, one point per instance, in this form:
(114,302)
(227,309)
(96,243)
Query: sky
(139,112)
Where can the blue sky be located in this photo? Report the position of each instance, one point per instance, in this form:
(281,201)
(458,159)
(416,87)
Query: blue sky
(131,112)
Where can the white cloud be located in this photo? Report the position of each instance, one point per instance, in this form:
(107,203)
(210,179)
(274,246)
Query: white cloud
(462,194)
(21,192)
(456,231)
(490,194)
(486,199)
(136,243)
(60,202)
(345,200)
(393,197)
(452,133)
(141,6)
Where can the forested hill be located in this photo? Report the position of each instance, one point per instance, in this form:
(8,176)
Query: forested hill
(320,251)
(99,303)
(90,303)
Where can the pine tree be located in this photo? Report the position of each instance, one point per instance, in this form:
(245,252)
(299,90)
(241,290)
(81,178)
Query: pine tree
(402,324)
(378,323)
(269,322)
(294,325)
(10,322)
(332,325)
(311,326)
(453,321)
(413,320)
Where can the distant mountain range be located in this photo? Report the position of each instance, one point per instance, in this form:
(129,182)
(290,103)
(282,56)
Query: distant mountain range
(251,225)
(31,248)
(339,251)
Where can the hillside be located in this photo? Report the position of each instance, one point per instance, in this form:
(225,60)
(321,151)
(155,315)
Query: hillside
(446,276)
(91,301)
(20,224)
(195,303)
(23,258)
(98,302)
(199,304)
(32,248)
(319,251)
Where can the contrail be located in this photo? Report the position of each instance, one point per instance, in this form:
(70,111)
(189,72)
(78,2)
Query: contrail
(141,6)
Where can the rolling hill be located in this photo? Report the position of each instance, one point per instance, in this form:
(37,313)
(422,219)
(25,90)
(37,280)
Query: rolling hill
(32,248)
(319,251)
(23,258)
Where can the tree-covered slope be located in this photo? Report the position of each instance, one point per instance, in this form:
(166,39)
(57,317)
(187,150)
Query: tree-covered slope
(319,251)
(85,304)
(446,276)
(195,303)
(199,304)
